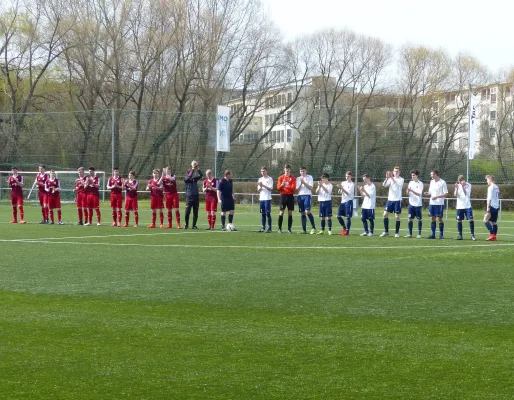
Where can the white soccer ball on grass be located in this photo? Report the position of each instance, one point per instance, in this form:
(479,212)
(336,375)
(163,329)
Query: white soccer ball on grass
(230,227)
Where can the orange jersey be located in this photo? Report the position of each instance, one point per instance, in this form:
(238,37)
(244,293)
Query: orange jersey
(290,184)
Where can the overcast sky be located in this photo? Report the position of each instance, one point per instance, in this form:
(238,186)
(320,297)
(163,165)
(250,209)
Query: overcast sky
(483,29)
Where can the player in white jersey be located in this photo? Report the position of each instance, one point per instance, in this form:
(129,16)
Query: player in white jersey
(415,208)
(437,192)
(394,182)
(324,192)
(492,207)
(463,194)
(265,186)
(369,199)
(346,189)
(304,184)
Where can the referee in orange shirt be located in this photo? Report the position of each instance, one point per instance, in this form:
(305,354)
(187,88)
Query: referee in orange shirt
(286,185)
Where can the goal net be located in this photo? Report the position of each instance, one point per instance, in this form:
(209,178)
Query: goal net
(30,190)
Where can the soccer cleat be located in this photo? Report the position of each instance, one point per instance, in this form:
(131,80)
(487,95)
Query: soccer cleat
(269,230)
(87,224)
(321,232)
(114,224)
(118,224)
(371,234)
(288,231)
(60,223)
(473,238)
(224,229)
(151,226)
(186,226)
(262,230)
(78,223)
(279,231)
(22,221)
(125,225)
(302,233)
(51,223)
(98,224)
(42,222)
(178,226)
(431,237)
(313,231)
(329,233)
(195,228)
(384,234)
(459,237)
(343,232)
(407,236)
(234,230)
(441,237)
(491,238)
(364,234)
(346,233)
(418,237)
(13,222)
(161,226)
(396,235)
(136,225)
(208,229)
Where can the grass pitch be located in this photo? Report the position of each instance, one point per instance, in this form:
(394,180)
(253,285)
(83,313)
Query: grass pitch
(112,313)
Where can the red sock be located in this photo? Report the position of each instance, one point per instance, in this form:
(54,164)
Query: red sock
(43,212)
(136,217)
(213,220)
(161,217)
(170,218)
(52,216)
(119,216)
(177,216)
(127,217)
(21,213)
(98,215)
(59,215)
(114,216)
(154,217)
(14,213)
(209,220)
(90,215)
(80,215)
(86,215)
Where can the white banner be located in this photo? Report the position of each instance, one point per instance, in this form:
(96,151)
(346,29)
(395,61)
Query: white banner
(473,103)
(223,129)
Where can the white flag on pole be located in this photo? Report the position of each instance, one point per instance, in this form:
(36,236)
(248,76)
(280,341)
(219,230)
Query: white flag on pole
(473,103)
(223,129)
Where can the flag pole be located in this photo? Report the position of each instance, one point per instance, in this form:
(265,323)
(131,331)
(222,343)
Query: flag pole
(469,132)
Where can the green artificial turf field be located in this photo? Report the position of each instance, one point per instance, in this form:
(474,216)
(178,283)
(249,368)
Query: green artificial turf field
(115,313)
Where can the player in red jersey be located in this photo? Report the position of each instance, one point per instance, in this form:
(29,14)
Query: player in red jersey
(40,181)
(211,198)
(80,191)
(53,190)
(156,203)
(16,184)
(169,181)
(93,196)
(130,186)
(115,185)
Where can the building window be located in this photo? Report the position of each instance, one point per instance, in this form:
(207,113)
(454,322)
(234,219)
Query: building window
(492,115)
(289,135)
(485,94)
(508,91)
(493,95)
(281,136)
(492,131)
(289,98)
(289,117)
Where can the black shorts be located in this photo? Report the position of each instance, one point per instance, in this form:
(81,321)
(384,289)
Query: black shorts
(286,200)
(227,205)
(193,202)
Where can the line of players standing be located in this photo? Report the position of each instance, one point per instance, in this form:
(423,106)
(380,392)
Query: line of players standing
(163,194)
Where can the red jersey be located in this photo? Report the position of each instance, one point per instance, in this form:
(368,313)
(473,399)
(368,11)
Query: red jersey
(80,184)
(51,186)
(115,181)
(41,180)
(157,190)
(170,184)
(131,188)
(90,189)
(211,195)
(290,184)
(13,183)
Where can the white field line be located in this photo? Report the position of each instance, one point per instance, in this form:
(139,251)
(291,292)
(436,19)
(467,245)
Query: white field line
(196,246)
(109,236)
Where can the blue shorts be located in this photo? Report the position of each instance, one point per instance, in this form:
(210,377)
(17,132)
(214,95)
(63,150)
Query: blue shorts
(345,209)
(394,207)
(304,203)
(494,214)
(265,206)
(436,211)
(367,213)
(325,208)
(468,213)
(227,205)
(414,212)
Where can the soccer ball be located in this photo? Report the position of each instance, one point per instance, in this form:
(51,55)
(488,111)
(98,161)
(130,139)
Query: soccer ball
(230,227)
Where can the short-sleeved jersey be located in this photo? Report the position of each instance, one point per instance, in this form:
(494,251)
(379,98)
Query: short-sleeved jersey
(131,188)
(437,189)
(52,186)
(416,201)
(115,181)
(493,195)
(210,195)
(304,190)
(395,188)
(463,196)
(13,184)
(325,196)
(349,187)
(170,184)
(225,188)
(155,191)
(370,202)
(92,180)
(265,194)
(41,179)
(80,184)
(290,184)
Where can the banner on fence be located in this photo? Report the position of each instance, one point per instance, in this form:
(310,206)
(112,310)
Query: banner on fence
(223,129)
(473,103)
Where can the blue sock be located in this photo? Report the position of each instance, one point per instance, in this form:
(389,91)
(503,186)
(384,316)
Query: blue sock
(280,220)
(489,227)
(223,219)
(341,221)
(420,224)
(263,221)
(322,224)
(365,223)
(386,224)
(304,222)
(269,220)
(459,228)
(410,225)
(230,218)
(397,227)
(311,220)
(441,228)
(348,224)
(329,224)
(432,227)
(495,229)
(372,225)
(472,227)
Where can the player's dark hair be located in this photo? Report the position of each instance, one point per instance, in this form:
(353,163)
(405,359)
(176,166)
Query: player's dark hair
(132,172)
(303,168)
(349,173)
(91,168)
(365,176)
(325,176)
(13,167)
(288,166)
(265,168)
(435,171)
(42,166)
(414,171)
(397,167)
(227,172)
(115,169)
